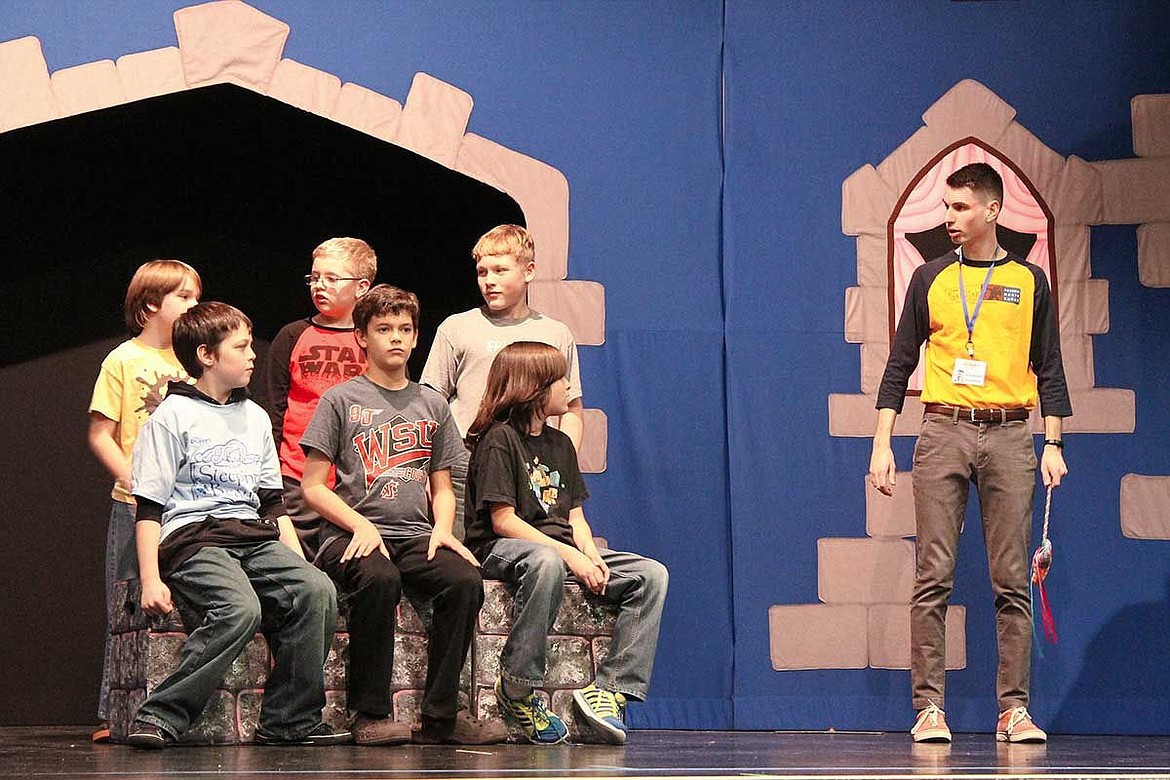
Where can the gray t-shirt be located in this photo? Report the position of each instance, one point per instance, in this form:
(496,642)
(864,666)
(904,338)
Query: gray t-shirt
(466,344)
(384,445)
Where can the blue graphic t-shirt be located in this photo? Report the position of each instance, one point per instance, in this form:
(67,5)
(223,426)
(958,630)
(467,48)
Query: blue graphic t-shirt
(200,459)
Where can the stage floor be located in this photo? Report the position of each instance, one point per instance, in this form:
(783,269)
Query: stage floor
(65,752)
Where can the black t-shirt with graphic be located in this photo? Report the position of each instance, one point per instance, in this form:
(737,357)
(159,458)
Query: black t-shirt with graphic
(537,475)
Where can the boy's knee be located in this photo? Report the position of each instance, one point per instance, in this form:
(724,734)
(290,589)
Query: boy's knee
(240,617)
(377,578)
(546,564)
(657,576)
(467,584)
(320,589)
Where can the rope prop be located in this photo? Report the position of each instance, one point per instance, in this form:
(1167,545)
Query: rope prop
(1041,563)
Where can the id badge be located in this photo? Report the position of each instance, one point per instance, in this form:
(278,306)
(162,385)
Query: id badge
(969,372)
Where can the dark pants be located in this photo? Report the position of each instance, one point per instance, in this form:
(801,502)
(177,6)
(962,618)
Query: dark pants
(373,586)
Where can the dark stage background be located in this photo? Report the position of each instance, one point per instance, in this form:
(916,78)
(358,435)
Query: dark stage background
(705,144)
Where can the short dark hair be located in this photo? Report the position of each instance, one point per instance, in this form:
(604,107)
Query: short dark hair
(384,299)
(208,324)
(981,178)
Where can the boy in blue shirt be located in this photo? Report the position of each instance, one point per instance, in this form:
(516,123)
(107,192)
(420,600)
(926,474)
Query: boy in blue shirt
(210,524)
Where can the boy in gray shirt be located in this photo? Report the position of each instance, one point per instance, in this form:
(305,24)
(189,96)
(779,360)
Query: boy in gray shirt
(390,440)
(466,344)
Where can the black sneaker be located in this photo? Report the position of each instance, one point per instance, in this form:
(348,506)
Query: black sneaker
(322,734)
(147,736)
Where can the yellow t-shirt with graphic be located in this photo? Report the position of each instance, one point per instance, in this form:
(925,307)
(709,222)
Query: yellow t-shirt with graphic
(132,381)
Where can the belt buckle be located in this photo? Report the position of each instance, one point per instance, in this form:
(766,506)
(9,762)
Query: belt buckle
(974,418)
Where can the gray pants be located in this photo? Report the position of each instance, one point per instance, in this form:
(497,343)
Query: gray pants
(121,564)
(1000,458)
(459,486)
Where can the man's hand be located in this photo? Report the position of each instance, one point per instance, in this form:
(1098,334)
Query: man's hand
(366,540)
(585,570)
(441,538)
(882,471)
(156,598)
(1052,466)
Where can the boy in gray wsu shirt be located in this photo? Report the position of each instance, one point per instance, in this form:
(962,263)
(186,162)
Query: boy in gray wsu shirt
(389,440)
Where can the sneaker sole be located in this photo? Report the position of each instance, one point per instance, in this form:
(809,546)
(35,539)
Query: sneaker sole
(146,742)
(545,742)
(1023,738)
(396,739)
(329,741)
(613,735)
(935,736)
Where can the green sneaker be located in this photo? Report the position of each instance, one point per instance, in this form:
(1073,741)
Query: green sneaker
(541,726)
(605,710)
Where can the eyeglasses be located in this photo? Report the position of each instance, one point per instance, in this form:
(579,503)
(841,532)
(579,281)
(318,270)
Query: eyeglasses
(329,280)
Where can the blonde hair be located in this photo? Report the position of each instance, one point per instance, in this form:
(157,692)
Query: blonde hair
(357,254)
(152,282)
(506,240)
(517,387)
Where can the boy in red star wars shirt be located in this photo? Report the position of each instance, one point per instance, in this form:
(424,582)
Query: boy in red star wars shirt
(308,357)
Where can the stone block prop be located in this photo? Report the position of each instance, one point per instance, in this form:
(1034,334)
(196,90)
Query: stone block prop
(817,636)
(891,516)
(1143,507)
(146,650)
(865,571)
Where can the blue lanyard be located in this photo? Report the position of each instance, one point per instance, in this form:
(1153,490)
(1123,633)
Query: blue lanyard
(970,318)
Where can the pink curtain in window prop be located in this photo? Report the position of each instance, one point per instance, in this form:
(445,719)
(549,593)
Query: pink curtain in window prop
(924,210)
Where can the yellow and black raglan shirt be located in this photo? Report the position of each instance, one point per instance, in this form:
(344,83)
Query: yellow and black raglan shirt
(1015,333)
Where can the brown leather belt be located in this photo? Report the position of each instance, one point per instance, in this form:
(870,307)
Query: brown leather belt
(978,415)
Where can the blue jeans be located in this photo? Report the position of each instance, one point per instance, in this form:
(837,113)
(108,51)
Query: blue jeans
(636,585)
(121,564)
(237,590)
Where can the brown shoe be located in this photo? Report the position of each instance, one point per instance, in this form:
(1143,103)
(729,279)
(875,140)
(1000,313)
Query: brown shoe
(1015,725)
(369,730)
(466,730)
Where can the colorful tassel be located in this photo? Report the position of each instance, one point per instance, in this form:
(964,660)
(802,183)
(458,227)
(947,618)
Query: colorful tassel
(1041,563)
